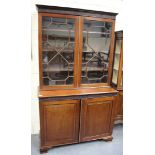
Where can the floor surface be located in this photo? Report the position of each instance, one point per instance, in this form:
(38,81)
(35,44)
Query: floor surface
(98,147)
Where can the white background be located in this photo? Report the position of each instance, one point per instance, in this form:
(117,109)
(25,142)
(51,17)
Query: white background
(139,75)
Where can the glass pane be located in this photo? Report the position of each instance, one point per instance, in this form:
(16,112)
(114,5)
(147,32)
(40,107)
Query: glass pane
(115,77)
(58,41)
(118,46)
(95,56)
(116,61)
(121,82)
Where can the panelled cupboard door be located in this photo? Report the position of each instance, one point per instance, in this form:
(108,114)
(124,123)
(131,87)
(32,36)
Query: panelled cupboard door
(96,118)
(59,122)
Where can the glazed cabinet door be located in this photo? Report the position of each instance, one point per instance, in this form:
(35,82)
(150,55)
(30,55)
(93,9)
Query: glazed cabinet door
(59,122)
(96,118)
(96,52)
(117,79)
(57,50)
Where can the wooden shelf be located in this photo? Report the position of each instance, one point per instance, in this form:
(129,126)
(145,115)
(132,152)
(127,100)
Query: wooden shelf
(71,50)
(53,50)
(57,30)
(95,60)
(61,30)
(53,36)
(104,52)
(95,69)
(62,69)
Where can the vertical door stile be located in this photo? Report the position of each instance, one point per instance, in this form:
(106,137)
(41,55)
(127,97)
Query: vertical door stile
(40,48)
(76,53)
(111,53)
(82,112)
(120,68)
(80,47)
(80,117)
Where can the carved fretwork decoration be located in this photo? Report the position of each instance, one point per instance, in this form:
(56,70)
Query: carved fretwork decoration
(95,51)
(58,50)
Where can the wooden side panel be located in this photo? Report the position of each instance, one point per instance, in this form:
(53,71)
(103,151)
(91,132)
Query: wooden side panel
(60,122)
(119,106)
(120,72)
(121,103)
(96,118)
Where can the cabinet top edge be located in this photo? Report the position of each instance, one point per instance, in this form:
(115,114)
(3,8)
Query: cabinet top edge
(75,11)
(76,92)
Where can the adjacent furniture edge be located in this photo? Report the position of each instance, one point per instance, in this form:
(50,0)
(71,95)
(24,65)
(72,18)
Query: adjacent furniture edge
(76,93)
(75,11)
(114,86)
(119,34)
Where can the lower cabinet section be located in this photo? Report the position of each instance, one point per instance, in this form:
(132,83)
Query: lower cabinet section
(73,121)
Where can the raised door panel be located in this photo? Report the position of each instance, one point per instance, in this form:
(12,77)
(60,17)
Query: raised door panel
(60,122)
(96,118)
